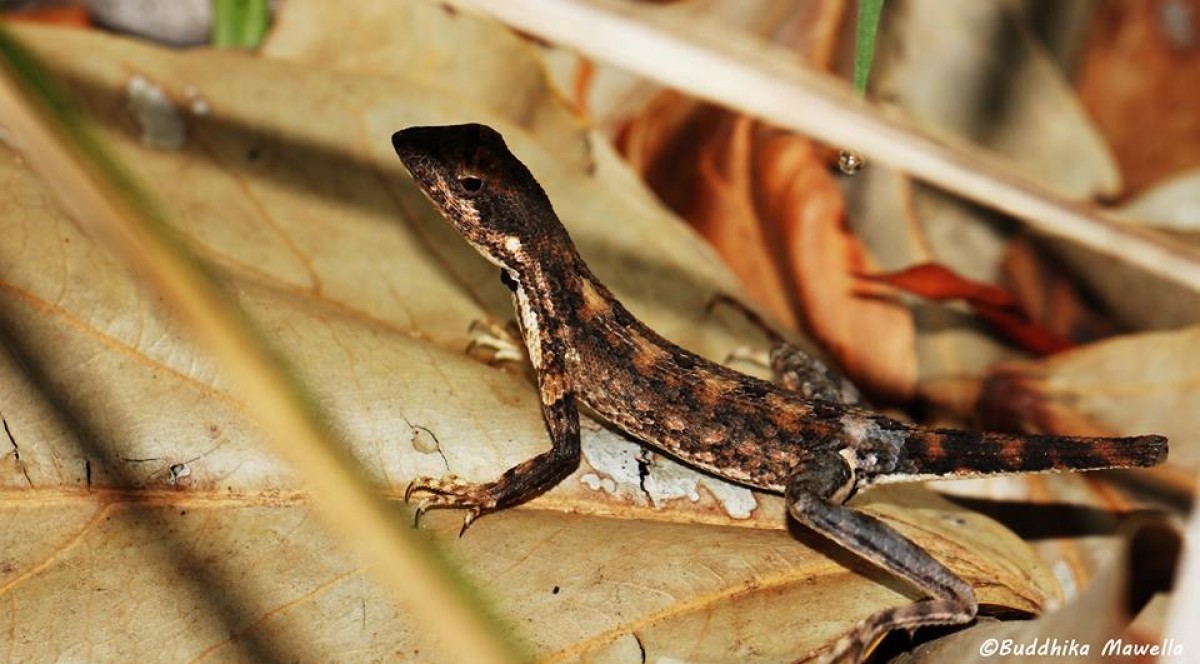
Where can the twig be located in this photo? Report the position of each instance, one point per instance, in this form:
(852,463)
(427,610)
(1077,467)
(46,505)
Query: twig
(736,71)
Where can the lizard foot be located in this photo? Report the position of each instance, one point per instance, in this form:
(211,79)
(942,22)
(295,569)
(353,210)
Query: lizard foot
(451,492)
(495,342)
(851,648)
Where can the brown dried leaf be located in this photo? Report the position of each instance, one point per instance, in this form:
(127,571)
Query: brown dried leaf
(144,512)
(800,201)
(765,200)
(1094,628)
(1139,77)
(1139,300)
(1139,383)
(975,70)
(694,157)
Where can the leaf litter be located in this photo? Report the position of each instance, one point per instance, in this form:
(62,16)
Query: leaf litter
(372,296)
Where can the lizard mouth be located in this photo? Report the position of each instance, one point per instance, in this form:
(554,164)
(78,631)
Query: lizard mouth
(412,145)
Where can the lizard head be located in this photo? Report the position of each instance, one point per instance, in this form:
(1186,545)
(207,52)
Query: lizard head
(489,196)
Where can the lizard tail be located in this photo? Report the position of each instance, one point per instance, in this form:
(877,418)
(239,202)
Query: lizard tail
(948,452)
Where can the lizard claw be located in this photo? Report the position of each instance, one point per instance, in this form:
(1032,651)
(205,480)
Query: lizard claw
(497,343)
(450,492)
(468,519)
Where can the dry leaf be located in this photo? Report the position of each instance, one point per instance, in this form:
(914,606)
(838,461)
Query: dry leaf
(765,200)
(1131,384)
(976,70)
(871,335)
(509,80)
(1138,77)
(1137,299)
(991,303)
(145,514)
(1173,205)
(1094,628)
(694,158)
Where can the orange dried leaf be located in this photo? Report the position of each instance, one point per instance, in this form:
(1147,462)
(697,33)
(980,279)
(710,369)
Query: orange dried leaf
(992,303)
(934,282)
(766,201)
(695,157)
(64,16)
(584,73)
(873,338)
(1138,78)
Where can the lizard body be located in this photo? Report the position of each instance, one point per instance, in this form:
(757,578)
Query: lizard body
(807,439)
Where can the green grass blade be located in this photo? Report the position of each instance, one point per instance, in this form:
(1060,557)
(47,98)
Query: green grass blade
(240,23)
(864,41)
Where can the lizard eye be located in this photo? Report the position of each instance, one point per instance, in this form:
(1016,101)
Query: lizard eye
(470,184)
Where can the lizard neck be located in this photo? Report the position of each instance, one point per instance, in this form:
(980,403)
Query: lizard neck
(548,280)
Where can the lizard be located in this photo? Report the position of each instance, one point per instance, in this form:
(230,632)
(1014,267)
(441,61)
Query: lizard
(807,438)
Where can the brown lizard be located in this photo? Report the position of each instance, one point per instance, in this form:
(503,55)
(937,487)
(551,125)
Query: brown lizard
(807,438)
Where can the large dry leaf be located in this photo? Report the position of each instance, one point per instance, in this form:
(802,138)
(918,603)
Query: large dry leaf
(1138,76)
(508,81)
(975,69)
(1093,628)
(144,513)
(946,66)
(1131,384)
(871,335)
(1137,299)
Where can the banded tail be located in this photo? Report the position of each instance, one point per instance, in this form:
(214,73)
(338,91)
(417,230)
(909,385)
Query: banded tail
(948,452)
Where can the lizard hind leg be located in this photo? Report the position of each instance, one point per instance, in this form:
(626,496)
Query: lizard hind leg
(800,372)
(813,499)
(792,366)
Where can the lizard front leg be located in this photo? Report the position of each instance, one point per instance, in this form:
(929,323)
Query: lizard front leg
(523,481)
(814,498)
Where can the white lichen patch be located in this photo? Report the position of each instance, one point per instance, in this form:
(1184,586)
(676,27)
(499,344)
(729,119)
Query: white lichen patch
(613,457)
(618,463)
(597,483)
(196,102)
(737,501)
(178,472)
(424,441)
(667,480)
(161,122)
